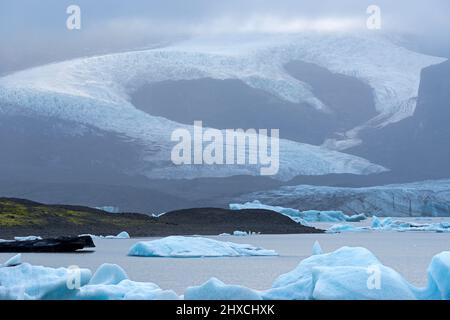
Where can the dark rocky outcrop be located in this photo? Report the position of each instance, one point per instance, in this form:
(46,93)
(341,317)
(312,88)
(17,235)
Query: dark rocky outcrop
(20,217)
(63,244)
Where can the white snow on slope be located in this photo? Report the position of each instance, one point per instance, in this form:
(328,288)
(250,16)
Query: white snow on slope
(96,91)
(192,247)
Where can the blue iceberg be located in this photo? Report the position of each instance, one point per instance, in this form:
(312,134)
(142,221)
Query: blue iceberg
(195,247)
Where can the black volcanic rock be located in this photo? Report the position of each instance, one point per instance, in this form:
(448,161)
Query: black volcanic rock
(63,244)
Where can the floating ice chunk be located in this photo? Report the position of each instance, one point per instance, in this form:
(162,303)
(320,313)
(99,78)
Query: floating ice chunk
(125,290)
(110,282)
(29,238)
(439,275)
(108,274)
(375,282)
(25,281)
(317,249)
(244,233)
(122,235)
(338,228)
(299,283)
(215,289)
(193,247)
(14,261)
(356,218)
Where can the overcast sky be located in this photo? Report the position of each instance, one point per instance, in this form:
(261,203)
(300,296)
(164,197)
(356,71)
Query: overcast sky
(34,32)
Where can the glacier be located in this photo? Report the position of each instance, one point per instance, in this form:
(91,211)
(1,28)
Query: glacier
(427,198)
(96,91)
(303,217)
(390,224)
(195,247)
(350,273)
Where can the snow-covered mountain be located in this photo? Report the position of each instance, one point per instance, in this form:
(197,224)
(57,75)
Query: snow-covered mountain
(392,71)
(96,92)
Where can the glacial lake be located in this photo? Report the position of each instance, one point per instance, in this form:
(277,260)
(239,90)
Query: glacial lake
(407,252)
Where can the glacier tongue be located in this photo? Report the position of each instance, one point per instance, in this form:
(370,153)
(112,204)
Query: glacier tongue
(96,91)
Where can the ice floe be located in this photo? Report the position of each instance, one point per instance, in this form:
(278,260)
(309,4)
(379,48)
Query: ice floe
(110,282)
(303,217)
(28,238)
(121,235)
(191,247)
(215,289)
(347,273)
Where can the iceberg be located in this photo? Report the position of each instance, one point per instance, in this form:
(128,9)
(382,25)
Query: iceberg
(438,275)
(110,282)
(355,273)
(14,261)
(121,235)
(338,228)
(28,238)
(24,281)
(302,217)
(195,247)
(347,273)
(244,233)
(215,289)
(317,249)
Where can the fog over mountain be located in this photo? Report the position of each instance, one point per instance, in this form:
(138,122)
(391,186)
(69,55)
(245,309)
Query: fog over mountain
(28,29)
